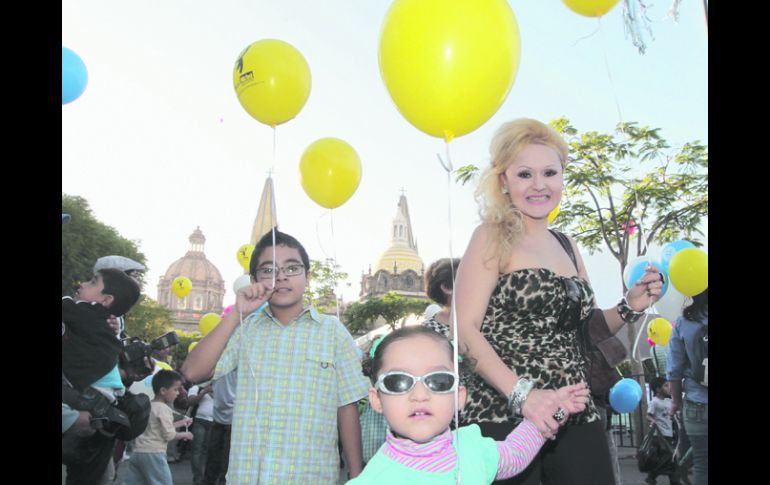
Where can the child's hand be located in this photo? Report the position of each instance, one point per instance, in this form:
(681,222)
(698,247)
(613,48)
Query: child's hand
(250,298)
(188,421)
(573,398)
(186,436)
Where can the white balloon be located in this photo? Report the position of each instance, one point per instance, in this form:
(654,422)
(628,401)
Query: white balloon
(630,266)
(671,305)
(241,281)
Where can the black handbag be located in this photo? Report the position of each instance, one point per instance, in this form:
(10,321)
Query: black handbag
(602,351)
(655,455)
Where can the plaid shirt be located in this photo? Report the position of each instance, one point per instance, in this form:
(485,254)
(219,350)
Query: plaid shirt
(291,380)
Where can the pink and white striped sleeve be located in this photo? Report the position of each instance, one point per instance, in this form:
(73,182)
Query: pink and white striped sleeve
(518,450)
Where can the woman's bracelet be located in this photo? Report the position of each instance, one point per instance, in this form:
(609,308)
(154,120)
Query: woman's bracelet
(628,314)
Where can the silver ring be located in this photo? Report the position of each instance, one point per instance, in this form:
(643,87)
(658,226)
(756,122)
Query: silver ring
(559,415)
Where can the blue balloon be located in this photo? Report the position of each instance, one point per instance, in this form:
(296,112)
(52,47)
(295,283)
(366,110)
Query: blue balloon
(637,271)
(74,76)
(670,249)
(625,395)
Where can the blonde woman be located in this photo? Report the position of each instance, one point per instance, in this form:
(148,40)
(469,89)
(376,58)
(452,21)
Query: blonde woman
(522,296)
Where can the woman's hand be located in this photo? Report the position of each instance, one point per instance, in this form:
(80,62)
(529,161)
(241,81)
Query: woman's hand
(646,290)
(539,407)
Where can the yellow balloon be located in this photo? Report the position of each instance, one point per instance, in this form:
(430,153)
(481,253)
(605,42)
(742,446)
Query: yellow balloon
(449,64)
(330,172)
(590,8)
(208,322)
(163,365)
(191,346)
(689,271)
(659,330)
(272,81)
(244,255)
(552,215)
(181,286)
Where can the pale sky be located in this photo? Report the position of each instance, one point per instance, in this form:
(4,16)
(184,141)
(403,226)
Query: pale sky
(159,145)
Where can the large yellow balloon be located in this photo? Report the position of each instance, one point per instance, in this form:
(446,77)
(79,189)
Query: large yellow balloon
(208,322)
(244,255)
(659,331)
(272,81)
(449,64)
(552,215)
(191,346)
(590,8)
(689,271)
(181,286)
(330,172)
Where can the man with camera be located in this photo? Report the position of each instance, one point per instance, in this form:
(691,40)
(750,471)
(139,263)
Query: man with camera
(96,408)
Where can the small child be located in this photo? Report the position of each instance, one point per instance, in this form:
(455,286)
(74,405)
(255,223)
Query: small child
(148,460)
(89,348)
(659,414)
(420,446)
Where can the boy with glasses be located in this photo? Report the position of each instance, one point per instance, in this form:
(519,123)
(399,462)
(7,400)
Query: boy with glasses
(299,376)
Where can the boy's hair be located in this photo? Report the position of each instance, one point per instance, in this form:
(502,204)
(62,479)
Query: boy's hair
(124,289)
(440,273)
(164,378)
(281,239)
(371,365)
(656,383)
(698,310)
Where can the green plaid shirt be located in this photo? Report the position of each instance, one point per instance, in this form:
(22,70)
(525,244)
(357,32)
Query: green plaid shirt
(291,380)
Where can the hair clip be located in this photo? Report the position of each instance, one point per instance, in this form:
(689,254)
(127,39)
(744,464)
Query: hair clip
(375,345)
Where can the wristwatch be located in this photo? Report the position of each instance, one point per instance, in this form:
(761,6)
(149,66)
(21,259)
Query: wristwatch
(519,395)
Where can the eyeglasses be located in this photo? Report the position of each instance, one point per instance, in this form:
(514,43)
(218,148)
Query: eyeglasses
(290,270)
(397,382)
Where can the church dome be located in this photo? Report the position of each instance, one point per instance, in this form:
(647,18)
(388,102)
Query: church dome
(400,257)
(208,287)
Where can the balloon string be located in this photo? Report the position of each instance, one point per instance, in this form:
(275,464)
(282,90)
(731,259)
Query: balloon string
(455,340)
(609,73)
(649,262)
(334,263)
(587,36)
(275,134)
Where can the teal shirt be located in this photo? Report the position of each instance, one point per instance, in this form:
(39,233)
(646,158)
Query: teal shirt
(478,459)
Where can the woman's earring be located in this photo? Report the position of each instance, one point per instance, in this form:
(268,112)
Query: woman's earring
(505,190)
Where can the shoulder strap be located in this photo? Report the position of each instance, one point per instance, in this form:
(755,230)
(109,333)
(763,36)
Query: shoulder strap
(564,241)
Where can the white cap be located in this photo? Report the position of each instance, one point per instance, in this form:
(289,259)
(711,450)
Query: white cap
(118,262)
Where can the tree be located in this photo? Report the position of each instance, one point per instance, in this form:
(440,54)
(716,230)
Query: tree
(148,320)
(391,307)
(324,280)
(631,178)
(84,240)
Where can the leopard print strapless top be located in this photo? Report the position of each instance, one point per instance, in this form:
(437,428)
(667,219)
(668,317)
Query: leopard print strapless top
(531,322)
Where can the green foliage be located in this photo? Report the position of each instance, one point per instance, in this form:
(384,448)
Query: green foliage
(179,352)
(359,317)
(148,320)
(84,240)
(466,173)
(325,277)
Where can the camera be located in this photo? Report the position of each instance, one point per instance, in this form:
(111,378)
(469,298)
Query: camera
(134,358)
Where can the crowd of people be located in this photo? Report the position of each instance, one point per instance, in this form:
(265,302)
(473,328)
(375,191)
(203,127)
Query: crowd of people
(274,389)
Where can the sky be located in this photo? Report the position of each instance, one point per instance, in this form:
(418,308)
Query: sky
(158,143)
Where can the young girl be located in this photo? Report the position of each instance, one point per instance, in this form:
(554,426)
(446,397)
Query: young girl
(414,384)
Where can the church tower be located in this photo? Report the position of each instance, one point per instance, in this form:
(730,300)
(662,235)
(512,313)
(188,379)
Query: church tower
(400,268)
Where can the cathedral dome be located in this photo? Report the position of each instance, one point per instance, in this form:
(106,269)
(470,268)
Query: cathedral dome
(208,287)
(400,258)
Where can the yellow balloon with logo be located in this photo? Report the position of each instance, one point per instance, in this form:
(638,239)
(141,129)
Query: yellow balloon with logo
(659,331)
(191,346)
(552,215)
(590,8)
(272,81)
(207,323)
(181,286)
(330,172)
(449,64)
(244,255)
(689,271)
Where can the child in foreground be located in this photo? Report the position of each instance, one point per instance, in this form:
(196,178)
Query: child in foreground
(420,448)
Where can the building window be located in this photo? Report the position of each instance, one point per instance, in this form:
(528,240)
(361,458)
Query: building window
(409,282)
(182,303)
(198,303)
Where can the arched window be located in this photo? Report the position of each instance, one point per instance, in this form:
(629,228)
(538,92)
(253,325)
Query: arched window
(198,303)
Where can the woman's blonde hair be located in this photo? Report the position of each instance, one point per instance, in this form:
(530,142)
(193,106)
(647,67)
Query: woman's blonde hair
(495,208)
